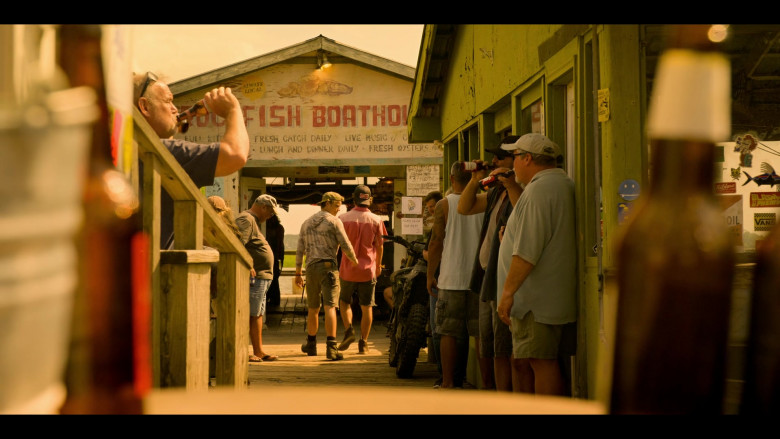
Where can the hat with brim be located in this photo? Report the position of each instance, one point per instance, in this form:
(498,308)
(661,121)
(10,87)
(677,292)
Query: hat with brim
(331,196)
(362,195)
(534,143)
(266,200)
(499,153)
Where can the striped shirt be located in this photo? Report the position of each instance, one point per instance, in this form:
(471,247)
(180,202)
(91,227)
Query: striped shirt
(319,239)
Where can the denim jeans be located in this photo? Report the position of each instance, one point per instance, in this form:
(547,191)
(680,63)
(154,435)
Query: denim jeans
(257,290)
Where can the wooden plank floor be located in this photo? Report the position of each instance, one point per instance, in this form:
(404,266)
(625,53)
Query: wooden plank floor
(358,384)
(285,332)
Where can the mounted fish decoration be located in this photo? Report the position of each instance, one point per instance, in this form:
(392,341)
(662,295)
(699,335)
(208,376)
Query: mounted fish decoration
(768,177)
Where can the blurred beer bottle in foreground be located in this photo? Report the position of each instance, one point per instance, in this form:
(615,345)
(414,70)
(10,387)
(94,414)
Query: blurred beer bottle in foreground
(761,394)
(675,260)
(108,368)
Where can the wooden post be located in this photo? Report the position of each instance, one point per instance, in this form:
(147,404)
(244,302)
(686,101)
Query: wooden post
(151,220)
(187,225)
(232,321)
(185,346)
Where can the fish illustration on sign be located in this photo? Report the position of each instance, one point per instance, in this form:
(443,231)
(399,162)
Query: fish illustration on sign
(310,85)
(768,177)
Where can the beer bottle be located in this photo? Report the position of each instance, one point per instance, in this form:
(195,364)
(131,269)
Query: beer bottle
(109,368)
(762,367)
(474,166)
(183,119)
(491,180)
(676,258)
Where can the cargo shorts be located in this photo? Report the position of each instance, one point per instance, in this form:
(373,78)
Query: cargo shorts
(322,278)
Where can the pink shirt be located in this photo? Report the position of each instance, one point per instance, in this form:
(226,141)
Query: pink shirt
(362,229)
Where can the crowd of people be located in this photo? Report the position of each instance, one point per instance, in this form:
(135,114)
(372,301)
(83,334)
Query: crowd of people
(501,261)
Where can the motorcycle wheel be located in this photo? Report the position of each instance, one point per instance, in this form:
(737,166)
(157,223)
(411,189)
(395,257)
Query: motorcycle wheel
(392,355)
(412,340)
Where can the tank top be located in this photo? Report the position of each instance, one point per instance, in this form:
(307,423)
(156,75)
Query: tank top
(461,243)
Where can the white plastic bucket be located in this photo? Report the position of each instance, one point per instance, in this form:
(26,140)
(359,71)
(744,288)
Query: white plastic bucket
(42,161)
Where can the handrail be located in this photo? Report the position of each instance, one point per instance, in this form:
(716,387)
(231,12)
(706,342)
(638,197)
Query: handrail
(194,220)
(180,187)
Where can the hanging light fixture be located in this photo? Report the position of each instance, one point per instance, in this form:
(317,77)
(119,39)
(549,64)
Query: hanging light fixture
(322,60)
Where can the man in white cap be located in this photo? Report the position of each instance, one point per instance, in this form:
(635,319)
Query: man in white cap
(537,264)
(494,344)
(248,223)
(365,230)
(319,240)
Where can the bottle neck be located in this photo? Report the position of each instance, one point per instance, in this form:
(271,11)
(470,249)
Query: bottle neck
(681,166)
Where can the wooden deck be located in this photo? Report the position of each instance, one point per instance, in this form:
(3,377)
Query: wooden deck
(358,384)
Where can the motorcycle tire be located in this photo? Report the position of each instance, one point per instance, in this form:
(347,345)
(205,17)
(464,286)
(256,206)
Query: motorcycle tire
(412,339)
(392,355)
(393,352)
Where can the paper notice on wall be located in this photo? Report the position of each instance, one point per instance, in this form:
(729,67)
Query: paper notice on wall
(411,205)
(731,206)
(422,179)
(411,226)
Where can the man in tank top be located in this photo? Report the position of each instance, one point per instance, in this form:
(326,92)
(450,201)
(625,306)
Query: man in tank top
(454,242)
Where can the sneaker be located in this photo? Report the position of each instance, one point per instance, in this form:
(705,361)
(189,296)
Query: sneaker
(331,352)
(309,347)
(362,347)
(349,337)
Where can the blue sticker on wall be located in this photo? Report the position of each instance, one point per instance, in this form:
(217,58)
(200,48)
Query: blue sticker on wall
(629,190)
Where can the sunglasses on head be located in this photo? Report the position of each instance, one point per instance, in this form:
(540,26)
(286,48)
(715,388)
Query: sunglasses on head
(150,78)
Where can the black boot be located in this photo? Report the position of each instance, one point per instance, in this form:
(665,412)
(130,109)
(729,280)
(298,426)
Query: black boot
(332,353)
(349,337)
(309,347)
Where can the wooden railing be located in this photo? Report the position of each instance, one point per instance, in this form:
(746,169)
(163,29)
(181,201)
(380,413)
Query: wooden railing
(181,278)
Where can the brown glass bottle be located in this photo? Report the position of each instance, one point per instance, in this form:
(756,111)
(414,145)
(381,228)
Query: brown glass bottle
(474,166)
(183,118)
(675,260)
(762,367)
(492,180)
(108,368)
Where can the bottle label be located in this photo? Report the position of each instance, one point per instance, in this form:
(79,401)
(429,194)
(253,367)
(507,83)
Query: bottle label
(469,166)
(691,97)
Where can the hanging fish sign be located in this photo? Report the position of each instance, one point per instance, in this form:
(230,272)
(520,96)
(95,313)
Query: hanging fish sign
(768,177)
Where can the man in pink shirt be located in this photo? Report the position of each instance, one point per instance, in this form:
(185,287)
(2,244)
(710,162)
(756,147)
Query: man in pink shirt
(364,230)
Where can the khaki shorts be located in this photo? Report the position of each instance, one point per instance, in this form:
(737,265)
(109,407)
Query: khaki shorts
(322,277)
(456,309)
(535,340)
(365,292)
(495,338)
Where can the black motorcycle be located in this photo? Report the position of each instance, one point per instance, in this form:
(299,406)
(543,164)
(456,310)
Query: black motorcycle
(408,321)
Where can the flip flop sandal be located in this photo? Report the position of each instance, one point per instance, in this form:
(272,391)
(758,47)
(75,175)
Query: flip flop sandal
(270,358)
(255,359)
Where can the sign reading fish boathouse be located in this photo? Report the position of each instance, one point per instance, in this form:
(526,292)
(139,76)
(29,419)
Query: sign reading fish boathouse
(296,115)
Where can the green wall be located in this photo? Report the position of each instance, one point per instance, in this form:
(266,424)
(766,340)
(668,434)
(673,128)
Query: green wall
(503,68)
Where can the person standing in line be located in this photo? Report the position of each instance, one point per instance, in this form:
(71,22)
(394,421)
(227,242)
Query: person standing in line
(537,277)
(319,240)
(454,239)
(201,162)
(364,230)
(274,232)
(248,223)
(494,344)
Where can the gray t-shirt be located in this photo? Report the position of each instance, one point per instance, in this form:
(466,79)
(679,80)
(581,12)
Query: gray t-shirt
(256,245)
(200,163)
(541,231)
